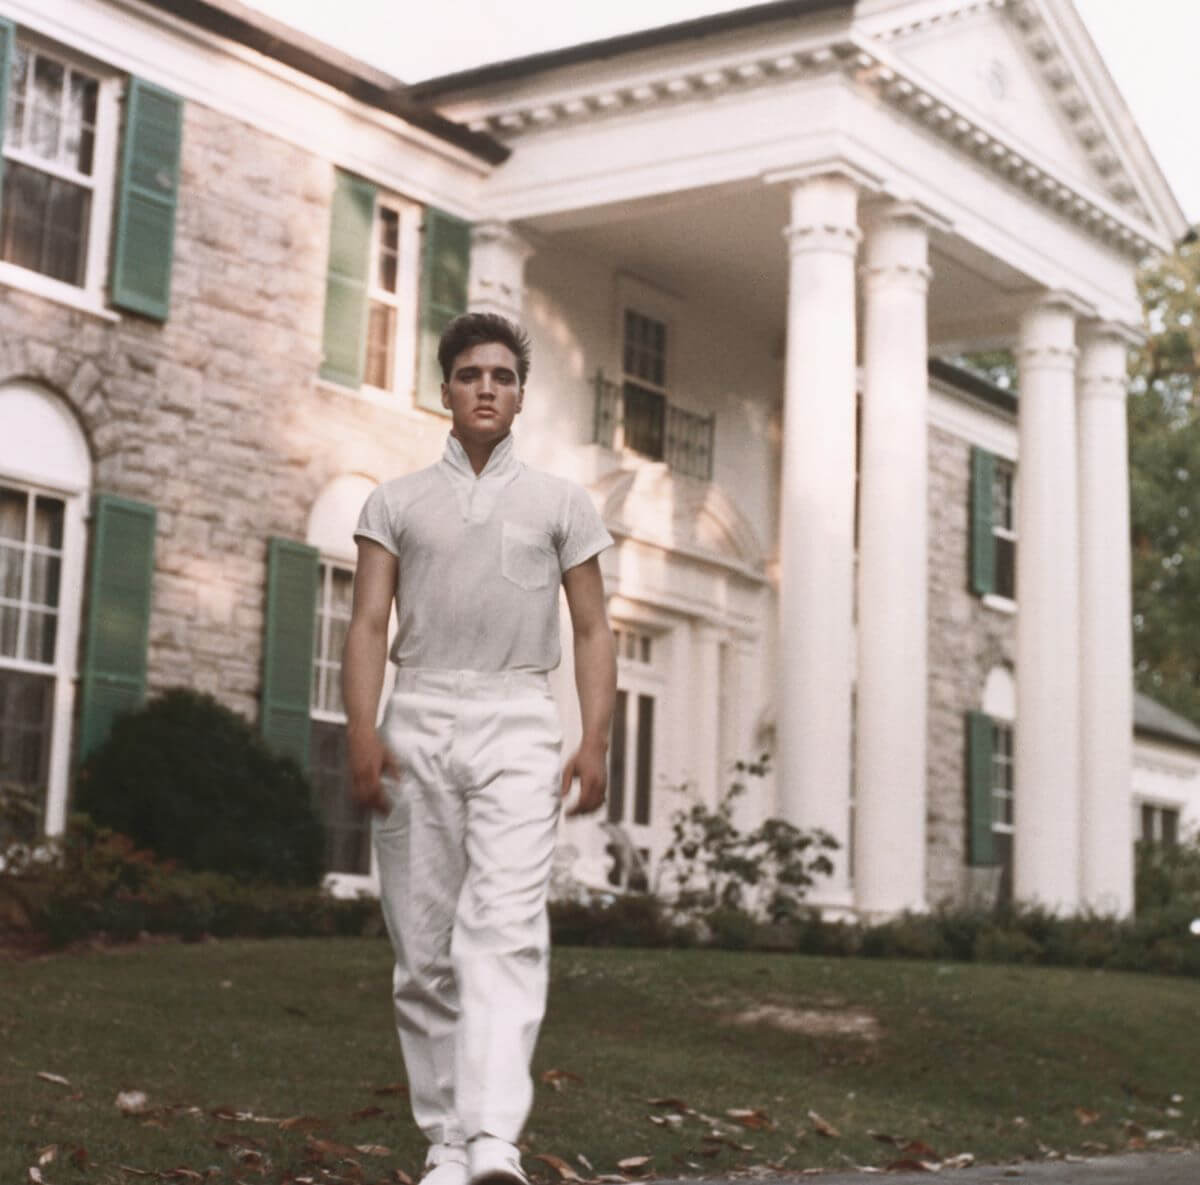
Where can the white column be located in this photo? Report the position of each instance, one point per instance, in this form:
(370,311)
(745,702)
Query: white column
(1106,643)
(817,518)
(890,770)
(496,283)
(1046,790)
(704,742)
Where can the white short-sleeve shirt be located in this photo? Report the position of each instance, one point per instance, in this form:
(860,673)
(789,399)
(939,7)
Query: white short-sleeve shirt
(481,559)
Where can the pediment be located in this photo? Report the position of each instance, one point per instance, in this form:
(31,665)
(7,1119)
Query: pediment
(694,518)
(1003,68)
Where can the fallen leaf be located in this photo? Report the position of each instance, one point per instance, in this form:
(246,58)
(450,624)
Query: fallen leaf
(884,1138)
(558,1079)
(565,1171)
(391,1088)
(304,1123)
(57,1079)
(755,1118)
(919,1150)
(963,1160)
(181,1174)
(1086,1118)
(717,1139)
(35,1176)
(47,1155)
(670,1101)
(1133,1129)
(634,1164)
(367,1113)
(671,1120)
(125,1168)
(132,1102)
(583,1160)
(319,1150)
(401,1177)
(372,1149)
(823,1127)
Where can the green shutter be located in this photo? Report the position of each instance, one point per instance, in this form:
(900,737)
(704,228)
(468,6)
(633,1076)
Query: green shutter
(8,35)
(118,624)
(288,647)
(445,263)
(983,543)
(344,340)
(981,845)
(142,254)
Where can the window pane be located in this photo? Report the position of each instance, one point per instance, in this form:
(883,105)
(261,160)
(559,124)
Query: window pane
(9,621)
(342,592)
(645,648)
(389,247)
(66,235)
(48,522)
(20,80)
(645,421)
(12,560)
(46,124)
(12,514)
(645,759)
(381,322)
(44,574)
(25,718)
(81,126)
(1147,822)
(616,761)
(41,629)
(1006,567)
(44,225)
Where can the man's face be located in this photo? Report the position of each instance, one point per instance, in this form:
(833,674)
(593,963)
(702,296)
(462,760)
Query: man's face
(484,393)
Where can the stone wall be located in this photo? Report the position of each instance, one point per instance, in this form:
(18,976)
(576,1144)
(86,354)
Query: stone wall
(966,640)
(217,416)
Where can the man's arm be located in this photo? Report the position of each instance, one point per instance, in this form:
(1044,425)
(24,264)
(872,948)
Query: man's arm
(595,682)
(364,660)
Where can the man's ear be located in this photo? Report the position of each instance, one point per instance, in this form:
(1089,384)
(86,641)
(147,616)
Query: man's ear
(445,395)
(520,399)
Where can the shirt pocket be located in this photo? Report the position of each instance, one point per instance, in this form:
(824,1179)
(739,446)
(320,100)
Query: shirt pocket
(526,559)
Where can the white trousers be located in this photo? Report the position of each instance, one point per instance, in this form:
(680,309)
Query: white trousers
(464,855)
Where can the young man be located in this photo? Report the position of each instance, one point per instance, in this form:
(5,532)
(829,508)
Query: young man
(464,775)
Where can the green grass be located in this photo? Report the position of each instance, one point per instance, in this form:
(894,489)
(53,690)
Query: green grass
(991,1060)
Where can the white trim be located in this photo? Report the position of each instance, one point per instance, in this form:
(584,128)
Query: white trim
(57,291)
(256,90)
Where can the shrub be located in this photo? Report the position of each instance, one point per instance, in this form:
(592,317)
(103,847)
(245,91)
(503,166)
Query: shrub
(713,870)
(634,919)
(1167,875)
(191,781)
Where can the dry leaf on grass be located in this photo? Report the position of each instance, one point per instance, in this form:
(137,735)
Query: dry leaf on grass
(672,1120)
(558,1079)
(57,1079)
(670,1101)
(634,1165)
(919,1150)
(132,1102)
(367,1113)
(372,1149)
(303,1123)
(752,1117)
(565,1171)
(321,1150)
(716,1140)
(401,1177)
(391,1088)
(35,1176)
(47,1155)
(1086,1118)
(963,1160)
(823,1127)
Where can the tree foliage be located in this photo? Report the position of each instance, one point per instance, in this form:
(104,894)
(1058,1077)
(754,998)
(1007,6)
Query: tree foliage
(1164,458)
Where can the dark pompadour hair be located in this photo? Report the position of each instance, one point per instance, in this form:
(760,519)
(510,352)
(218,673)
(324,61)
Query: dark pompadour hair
(478,329)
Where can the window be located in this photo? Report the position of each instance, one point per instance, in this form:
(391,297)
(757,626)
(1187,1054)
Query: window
(1160,825)
(50,165)
(993,561)
(1002,804)
(991,799)
(31,558)
(347,826)
(391,311)
(645,380)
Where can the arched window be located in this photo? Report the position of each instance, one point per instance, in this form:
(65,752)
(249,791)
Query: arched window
(330,531)
(991,786)
(45,474)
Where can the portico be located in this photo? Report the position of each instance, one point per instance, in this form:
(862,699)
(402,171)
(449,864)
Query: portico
(809,211)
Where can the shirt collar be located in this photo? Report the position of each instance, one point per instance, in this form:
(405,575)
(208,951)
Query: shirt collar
(477,493)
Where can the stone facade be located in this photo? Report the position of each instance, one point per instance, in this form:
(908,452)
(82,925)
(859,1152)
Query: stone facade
(216,417)
(967,638)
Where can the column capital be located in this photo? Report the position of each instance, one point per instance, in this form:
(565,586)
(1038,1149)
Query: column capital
(502,235)
(1098,330)
(824,212)
(1103,359)
(897,247)
(496,283)
(1047,331)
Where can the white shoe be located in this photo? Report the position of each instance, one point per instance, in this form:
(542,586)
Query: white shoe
(494,1162)
(445,1164)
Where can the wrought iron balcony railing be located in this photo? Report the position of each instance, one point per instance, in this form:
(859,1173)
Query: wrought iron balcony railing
(630,416)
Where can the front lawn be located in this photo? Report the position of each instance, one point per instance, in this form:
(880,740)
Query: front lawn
(276,1061)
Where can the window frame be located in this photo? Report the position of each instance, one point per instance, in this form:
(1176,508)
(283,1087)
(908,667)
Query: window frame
(110,96)
(403,369)
(1004,471)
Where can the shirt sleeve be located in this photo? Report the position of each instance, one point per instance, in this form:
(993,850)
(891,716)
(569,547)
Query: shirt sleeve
(583,531)
(375,522)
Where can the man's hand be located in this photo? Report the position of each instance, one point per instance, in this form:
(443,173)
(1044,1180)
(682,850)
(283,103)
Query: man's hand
(590,766)
(369,760)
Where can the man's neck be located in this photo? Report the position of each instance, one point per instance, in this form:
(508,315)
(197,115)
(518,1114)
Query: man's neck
(478,452)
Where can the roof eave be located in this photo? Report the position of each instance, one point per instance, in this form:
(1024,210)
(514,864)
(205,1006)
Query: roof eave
(241,24)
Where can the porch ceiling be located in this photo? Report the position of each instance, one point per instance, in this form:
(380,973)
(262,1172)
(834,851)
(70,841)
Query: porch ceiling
(726,245)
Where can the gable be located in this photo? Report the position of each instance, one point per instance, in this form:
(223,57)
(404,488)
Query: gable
(1011,76)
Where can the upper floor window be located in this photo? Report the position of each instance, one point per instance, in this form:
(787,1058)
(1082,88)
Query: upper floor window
(993,560)
(644,363)
(73,219)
